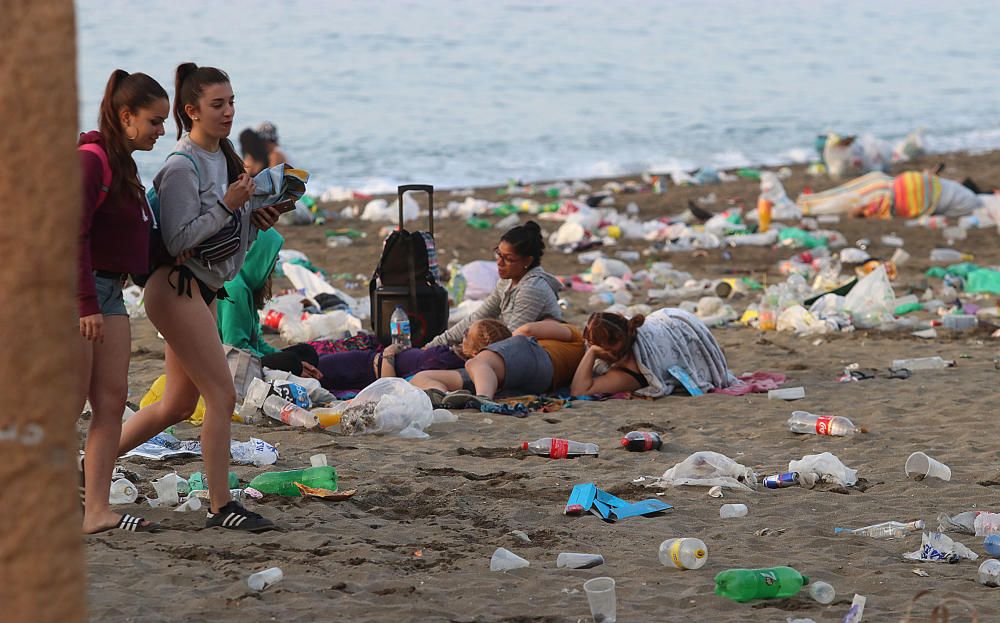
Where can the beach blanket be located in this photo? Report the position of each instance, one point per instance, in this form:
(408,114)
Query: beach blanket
(672,337)
(870,190)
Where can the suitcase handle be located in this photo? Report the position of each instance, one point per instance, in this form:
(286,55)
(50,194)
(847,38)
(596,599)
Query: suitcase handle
(427,188)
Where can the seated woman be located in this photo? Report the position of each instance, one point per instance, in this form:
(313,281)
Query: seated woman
(356,369)
(639,355)
(539,357)
(525,292)
(239,322)
(254,151)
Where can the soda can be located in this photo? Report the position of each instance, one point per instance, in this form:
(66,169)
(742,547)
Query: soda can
(780,481)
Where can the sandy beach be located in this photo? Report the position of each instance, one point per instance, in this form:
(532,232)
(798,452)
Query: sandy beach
(415,542)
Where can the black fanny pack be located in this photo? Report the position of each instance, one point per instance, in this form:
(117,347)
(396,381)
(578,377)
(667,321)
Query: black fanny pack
(223,244)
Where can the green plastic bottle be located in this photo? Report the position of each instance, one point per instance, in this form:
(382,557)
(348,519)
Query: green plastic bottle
(197,481)
(746,584)
(283,483)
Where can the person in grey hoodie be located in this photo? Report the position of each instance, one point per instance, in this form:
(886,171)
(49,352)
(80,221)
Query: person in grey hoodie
(525,292)
(207,223)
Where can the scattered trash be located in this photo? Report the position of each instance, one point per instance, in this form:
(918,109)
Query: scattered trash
(708,469)
(520,535)
(921,573)
(123,492)
(923,363)
(641,441)
(920,466)
(788,393)
(989,573)
(884,530)
(807,423)
(824,467)
(962,522)
(729,511)
(167,490)
(987,524)
(748,584)
(715,492)
(937,547)
(587,497)
(822,592)
(602,600)
(683,553)
(857,609)
(284,483)
(505,560)
(782,480)
(392,405)
(556,448)
(264,579)
(568,560)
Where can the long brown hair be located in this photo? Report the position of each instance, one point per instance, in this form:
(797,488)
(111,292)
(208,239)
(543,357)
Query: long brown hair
(131,92)
(613,332)
(189,84)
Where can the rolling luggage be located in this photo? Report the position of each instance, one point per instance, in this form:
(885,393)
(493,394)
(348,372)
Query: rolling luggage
(407,275)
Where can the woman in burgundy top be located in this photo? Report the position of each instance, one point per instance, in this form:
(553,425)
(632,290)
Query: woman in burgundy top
(114,241)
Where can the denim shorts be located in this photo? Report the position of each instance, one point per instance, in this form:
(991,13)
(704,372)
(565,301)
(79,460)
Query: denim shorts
(109,296)
(528,368)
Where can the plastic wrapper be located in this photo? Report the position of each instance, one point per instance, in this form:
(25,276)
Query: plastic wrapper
(937,547)
(391,405)
(825,467)
(708,469)
(871,301)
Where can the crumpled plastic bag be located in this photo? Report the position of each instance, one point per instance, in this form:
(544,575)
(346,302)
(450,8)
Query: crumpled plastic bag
(332,325)
(604,267)
(708,469)
(391,405)
(480,279)
(937,547)
(801,322)
(871,301)
(381,210)
(963,523)
(825,467)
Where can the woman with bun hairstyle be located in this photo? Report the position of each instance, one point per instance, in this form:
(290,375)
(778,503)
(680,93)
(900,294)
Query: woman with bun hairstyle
(525,292)
(649,355)
(114,241)
(206,217)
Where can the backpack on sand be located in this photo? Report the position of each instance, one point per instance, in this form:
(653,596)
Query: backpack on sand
(407,275)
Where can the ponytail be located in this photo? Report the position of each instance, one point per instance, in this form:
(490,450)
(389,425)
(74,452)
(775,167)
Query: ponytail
(189,82)
(130,92)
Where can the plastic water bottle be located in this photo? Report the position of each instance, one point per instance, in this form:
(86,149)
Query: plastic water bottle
(278,408)
(122,492)
(807,423)
(263,579)
(683,553)
(198,482)
(283,483)
(923,363)
(884,530)
(822,592)
(640,441)
(989,572)
(948,256)
(747,584)
(399,327)
(556,448)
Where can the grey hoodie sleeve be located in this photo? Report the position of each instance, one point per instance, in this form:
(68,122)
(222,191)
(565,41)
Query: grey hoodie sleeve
(489,309)
(181,220)
(532,300)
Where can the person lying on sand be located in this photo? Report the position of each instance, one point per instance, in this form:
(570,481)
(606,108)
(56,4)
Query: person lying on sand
(356,369)
(643,354)
(539,357)
(525,292)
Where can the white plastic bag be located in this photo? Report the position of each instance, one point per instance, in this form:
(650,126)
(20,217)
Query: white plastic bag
(604,267)
(329,326)
(801,322)
(480,279)
(708,469)
(825,467)
(937,547)
(871,301)
(391,405)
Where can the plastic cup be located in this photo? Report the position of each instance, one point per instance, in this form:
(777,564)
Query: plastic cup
(728,511)
(572,560)
(822,592)
(193,503)
(920,466)
(787,393)
(506,560)
(602,600)
(263,579)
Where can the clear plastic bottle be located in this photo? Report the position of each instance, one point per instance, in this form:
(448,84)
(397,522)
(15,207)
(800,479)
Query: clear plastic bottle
(278,408)
(399,327)
(263,579)
(949,256)
(923,363)
(807,423)
(683,553)
(822,592)
(729,511)
(884,530)
(556,448)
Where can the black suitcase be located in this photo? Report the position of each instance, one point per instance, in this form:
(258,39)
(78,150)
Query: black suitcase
(404,277)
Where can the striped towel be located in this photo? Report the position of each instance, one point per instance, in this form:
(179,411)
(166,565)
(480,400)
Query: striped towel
(869,190)
(915,194)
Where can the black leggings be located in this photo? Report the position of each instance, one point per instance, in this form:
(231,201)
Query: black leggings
(290,359)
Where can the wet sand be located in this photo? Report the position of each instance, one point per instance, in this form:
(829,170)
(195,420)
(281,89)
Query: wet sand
(415,542)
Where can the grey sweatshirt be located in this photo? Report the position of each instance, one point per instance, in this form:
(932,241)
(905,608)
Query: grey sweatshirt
(191,209)
(532,299)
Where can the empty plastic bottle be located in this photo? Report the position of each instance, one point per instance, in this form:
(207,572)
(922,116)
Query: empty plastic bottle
(822,592)
(884,530)
(641,441)
(923,363)
(683,553)
(123,492)
(283,483)
(556,448)
(278,408)
(571,560)
(747,584)
(728,511)
(399,327)
(807,423)
(197,481)
(949,256)
(263,579)
(989,572)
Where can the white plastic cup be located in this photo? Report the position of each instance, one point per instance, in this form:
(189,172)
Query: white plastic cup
(318,460)
(601,597)
(571,560)
(728,511)
(263,579)
(166,490)
(989,572)
(122,492)
(505,560)
(192,503)
(899,257)
(787,393)
(822,592)
(919,466)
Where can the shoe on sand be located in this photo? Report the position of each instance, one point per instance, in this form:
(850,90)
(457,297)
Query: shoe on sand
(233,516)
(436,396)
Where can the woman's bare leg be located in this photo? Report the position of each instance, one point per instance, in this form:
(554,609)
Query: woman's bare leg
(444,380)
(487,370)
(108,393)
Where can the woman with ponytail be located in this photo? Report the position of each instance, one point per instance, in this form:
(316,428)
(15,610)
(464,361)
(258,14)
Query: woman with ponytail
(114,241)
(206,218)
(649,355)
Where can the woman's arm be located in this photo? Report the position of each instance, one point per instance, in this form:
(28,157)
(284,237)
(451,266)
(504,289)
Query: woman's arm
(385,362)
(182,222)
(611,382)
(546,330)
